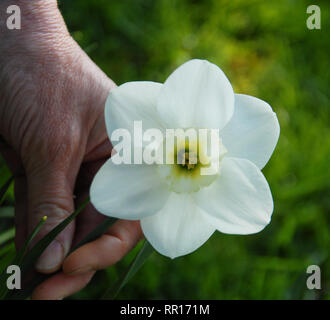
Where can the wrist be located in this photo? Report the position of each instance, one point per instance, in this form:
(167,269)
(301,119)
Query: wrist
(43,35)
(33,12)
(42,46)
(40,20)
(31,7)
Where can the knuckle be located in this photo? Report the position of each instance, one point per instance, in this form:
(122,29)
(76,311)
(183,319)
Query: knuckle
(56,210)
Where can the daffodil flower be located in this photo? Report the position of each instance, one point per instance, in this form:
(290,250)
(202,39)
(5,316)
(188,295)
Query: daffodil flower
(180,209)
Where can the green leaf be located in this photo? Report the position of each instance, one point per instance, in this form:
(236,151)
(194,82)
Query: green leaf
(27,261)
(7,212)
(99,230)
(33,255)
(136,264)
(5,262)
(19,256)
(6,248)
(7,235)
(39,278)
(22,251)
(4,189)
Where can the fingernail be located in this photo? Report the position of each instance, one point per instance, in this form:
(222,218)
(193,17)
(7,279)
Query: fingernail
(81,270)
(51,258)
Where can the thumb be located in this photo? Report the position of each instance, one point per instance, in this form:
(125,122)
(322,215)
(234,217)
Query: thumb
(50,194)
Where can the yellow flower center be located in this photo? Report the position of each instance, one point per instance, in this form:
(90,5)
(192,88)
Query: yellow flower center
(188,159)
(189,166)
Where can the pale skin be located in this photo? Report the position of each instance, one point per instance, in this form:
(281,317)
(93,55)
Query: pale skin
(51,118)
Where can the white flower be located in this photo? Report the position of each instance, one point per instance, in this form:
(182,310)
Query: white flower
(179,213)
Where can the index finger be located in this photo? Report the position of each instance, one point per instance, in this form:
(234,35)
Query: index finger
(106,250)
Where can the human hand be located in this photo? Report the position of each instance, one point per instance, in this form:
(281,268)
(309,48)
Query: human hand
(51,116)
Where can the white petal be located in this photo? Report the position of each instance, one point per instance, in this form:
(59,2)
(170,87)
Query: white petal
(252,132)
(178,228)
(128,191)
(132,101)
(197,94)
(240,201)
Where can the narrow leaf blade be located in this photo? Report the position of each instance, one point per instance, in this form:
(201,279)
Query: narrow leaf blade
(39,278)
(19,257)
(99,230)
(4,189)
(144,253)
(32,256)
(7,235)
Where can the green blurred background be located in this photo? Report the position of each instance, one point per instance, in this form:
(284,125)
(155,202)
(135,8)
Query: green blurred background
(266,50)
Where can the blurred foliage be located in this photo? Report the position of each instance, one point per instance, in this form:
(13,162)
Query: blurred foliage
(266,50)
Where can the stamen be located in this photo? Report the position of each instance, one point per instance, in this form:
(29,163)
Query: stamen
(190,160)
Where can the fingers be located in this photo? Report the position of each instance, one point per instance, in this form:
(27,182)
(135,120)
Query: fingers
(86,222)
(50,194)
(60,286)
(106,250)
(80,266)
(89,218)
